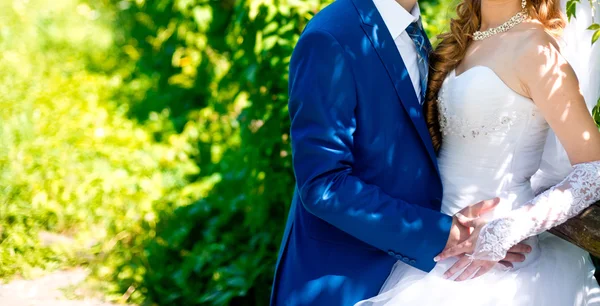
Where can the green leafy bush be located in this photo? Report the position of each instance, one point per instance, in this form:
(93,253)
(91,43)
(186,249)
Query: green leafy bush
(222,249)
(72,162)
(155,135)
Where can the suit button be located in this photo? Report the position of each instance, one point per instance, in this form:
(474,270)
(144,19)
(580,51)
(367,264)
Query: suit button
(391,253)
(399,257)
(405,259)
(412,262)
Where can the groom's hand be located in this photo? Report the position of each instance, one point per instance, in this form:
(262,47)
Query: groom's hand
(516,254)
(460,232)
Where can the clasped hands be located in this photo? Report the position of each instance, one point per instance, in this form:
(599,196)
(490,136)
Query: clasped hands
(464,232)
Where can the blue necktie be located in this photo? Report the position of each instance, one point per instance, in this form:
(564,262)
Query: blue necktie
(418,36)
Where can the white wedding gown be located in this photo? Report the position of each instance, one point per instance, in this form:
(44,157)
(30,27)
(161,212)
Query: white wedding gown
(493,140)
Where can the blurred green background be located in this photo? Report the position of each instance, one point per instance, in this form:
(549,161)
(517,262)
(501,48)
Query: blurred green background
(148,141)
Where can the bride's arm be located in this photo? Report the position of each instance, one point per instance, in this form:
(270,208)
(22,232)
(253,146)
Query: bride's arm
(553,86)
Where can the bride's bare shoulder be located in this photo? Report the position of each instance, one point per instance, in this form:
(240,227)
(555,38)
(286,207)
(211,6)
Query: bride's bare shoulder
(537,48)
(533,35)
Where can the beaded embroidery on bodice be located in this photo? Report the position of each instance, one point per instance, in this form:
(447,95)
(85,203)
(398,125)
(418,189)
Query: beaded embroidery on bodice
(493,140)
(496,118)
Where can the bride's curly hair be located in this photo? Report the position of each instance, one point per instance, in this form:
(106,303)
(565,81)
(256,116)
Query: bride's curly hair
(453,46)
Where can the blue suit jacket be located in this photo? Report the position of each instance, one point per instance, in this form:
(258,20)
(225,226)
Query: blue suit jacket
(368,191)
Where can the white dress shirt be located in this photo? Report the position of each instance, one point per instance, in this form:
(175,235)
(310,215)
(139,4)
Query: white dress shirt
(397,19)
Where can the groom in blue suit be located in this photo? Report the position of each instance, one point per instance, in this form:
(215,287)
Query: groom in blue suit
(368,190)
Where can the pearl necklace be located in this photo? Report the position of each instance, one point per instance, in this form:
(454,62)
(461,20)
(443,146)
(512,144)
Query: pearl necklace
(511,23)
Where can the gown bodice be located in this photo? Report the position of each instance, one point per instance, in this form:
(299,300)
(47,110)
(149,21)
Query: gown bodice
(493,139)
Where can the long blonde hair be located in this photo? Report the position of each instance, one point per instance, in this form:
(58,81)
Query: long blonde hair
(453,46)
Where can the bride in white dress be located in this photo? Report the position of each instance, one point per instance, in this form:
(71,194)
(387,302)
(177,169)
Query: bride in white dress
(492,101)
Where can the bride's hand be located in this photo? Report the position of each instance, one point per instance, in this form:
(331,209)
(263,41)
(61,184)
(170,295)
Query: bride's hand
(475,267)
(480,267)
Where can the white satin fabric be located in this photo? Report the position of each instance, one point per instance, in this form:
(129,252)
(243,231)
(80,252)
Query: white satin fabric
(493,142)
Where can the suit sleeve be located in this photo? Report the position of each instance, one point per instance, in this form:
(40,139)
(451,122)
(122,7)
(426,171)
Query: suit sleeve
(322,108)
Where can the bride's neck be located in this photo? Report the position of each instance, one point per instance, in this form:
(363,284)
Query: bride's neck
(496,12)
(408,5)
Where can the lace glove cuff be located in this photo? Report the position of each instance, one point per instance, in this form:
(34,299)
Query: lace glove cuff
(579,190)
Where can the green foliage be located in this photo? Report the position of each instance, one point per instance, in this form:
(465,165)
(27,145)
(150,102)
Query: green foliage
(571,13)
(72,163)
(155,135)
(595,27)
(572,8)
(222,249)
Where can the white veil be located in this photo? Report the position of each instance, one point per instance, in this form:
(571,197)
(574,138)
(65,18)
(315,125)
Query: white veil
(584,57)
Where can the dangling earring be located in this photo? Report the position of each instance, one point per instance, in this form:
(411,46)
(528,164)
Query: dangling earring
(523,4)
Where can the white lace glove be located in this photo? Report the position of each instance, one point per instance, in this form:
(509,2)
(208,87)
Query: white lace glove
(579,190)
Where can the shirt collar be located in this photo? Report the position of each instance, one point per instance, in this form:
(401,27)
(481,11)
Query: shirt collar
(395,17)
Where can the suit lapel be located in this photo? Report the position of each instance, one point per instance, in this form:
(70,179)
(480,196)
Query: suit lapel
(384,45)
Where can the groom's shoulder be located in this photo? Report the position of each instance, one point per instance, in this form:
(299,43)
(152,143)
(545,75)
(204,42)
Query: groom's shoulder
(340,19)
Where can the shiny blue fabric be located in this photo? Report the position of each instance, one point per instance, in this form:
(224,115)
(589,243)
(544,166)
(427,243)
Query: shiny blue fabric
(368,191)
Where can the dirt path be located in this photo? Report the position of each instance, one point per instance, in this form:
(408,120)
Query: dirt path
(46,291)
